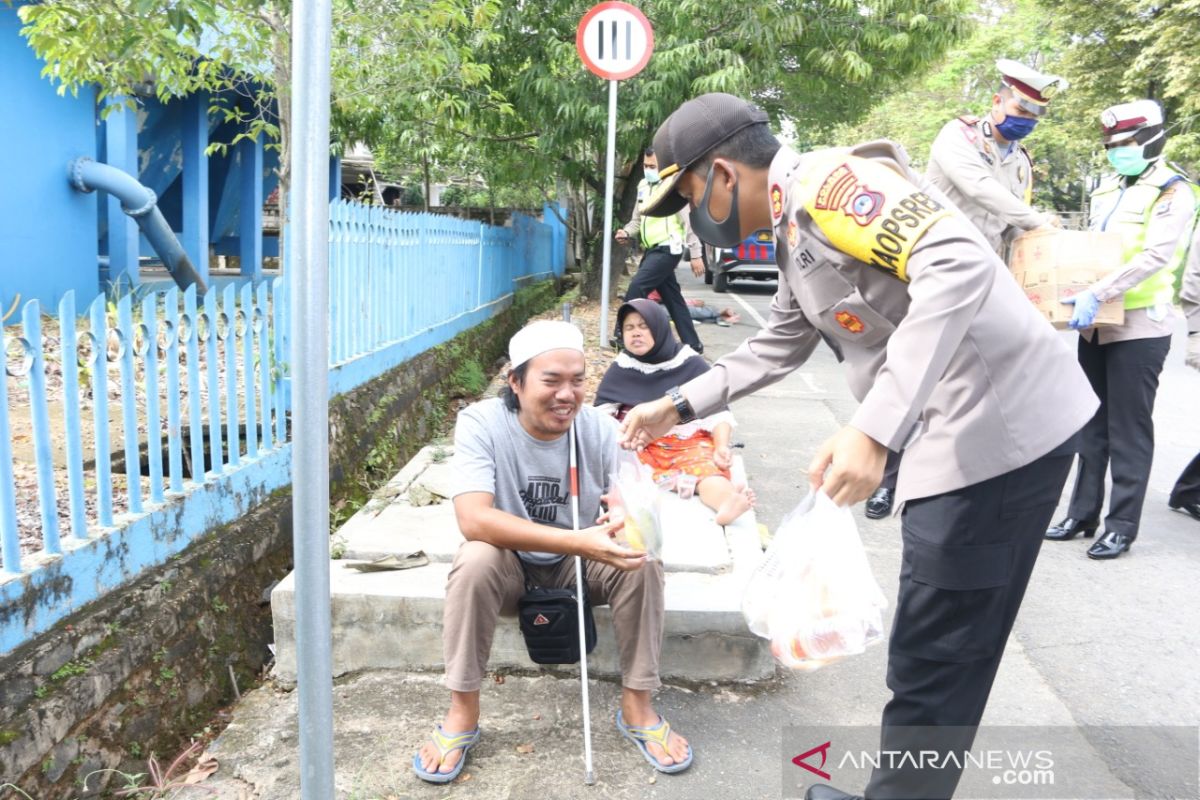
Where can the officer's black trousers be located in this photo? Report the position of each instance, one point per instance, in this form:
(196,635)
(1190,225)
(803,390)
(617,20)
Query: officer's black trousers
(1187,488)
(966,560)
(657,271)
(1120,437)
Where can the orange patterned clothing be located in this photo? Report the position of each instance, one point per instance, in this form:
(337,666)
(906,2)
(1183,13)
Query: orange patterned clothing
(692,455)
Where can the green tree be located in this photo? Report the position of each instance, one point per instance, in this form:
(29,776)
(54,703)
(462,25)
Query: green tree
(544,120)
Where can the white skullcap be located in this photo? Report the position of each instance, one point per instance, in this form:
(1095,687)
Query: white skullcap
(542,336)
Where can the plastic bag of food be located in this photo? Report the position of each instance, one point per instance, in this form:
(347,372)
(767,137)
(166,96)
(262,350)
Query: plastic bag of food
(634,496)
(814,596)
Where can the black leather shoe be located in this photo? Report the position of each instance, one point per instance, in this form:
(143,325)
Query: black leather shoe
(1110,545)
(879,505)
(1070,527)
(1191,509)
(819,791)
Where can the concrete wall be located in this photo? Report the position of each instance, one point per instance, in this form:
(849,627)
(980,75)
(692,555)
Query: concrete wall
(49,244)
(146,667)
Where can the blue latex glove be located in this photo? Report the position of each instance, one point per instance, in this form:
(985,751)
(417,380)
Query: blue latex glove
(1086,306)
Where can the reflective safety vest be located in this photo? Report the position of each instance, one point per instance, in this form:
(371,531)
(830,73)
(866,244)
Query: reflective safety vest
(656,230)
(1127,211)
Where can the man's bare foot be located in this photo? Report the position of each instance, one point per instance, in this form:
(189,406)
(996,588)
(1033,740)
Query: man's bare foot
(461,718)
(738,503)
(640,714)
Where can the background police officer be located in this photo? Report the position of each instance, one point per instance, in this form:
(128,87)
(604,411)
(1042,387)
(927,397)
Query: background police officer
(663,240)
(949,361)
(1185,495)
(1152,205)
(980,165)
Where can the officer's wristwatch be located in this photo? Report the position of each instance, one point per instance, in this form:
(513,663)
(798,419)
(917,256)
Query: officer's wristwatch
(682,406)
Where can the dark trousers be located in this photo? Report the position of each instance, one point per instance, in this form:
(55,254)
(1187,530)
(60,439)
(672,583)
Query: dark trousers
(1187,488)
(1120,436)
(891,470)
(657,271)
(967,558)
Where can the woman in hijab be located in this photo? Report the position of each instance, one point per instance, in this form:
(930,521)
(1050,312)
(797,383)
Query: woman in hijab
(695,454)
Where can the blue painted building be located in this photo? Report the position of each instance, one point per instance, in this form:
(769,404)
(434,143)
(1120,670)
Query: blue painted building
(54,238)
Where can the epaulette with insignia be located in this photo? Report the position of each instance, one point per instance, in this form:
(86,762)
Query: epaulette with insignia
(968,119)
(867,210)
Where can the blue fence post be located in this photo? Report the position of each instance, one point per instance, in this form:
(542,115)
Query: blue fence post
(10,543)
(100,361)
(262,329)
(212,382)
(246,317)
(171,354)
(70,372)
(148,328)
(229,341)
(133,460)
(189,334)
(279,297)
(31,319)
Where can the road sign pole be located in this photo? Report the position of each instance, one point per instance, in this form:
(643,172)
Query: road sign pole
(609,168)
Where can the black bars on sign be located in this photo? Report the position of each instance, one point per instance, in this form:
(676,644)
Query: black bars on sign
(613,40)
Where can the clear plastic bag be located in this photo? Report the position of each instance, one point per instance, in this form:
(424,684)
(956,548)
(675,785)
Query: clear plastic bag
(635,497)
(814,596)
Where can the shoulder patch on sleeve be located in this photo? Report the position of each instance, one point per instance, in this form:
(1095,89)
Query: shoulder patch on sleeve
(868,211)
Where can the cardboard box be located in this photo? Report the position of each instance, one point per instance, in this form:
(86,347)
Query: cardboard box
(1054,265)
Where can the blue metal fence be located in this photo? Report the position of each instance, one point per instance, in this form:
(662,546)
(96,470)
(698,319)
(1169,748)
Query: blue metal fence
(138,426)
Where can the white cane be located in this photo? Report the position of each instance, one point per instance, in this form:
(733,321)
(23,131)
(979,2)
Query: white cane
(580,590)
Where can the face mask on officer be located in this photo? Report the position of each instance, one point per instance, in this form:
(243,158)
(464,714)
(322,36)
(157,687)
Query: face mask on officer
(726,232)
(651,175)
(1128,160)
(1013,129)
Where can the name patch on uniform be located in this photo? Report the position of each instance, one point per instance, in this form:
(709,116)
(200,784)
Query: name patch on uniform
(868,211)
(776,201)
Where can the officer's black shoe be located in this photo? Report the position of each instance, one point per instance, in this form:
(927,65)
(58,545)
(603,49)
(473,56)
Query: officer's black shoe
(699,348)
(1070,527)
(819,791)
(1110,545)
(879,505)
(1191,509)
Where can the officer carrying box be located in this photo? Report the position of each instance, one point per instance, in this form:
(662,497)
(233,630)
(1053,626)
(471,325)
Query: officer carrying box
(949,361)
(1152,205)
(979,163)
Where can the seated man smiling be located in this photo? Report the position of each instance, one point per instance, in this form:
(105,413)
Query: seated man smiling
(512,502)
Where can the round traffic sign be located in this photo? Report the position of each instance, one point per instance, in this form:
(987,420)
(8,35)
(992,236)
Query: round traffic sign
(614,40)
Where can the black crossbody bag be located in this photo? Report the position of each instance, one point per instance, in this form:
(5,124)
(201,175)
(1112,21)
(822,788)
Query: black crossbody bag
(550,617)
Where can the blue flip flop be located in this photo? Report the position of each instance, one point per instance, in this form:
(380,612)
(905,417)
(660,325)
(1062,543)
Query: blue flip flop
(657,734)
(446,743)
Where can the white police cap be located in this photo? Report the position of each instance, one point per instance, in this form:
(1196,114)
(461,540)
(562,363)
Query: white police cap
(1032,89)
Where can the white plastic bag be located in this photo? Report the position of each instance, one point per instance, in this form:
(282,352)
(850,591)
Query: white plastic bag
(814,596)
(635,497)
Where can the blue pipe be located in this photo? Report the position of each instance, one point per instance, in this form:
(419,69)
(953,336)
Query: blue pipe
(140,203)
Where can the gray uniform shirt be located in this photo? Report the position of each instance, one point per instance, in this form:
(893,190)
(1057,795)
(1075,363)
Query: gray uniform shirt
(954,366)
(987,183)
(528,477)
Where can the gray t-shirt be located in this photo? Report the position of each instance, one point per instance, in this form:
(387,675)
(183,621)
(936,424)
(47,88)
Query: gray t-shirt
(528,477)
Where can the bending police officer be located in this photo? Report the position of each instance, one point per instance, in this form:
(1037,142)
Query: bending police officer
(875,261)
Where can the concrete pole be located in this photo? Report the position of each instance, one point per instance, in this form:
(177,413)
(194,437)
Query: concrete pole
(309,295)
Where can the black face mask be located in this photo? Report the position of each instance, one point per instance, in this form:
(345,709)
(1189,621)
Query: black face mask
(727,232)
